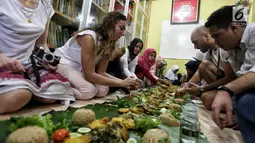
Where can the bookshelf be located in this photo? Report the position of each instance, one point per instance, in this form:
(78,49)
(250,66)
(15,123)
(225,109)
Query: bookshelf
(74,15)
(63,19)
(64,22)
(99,9)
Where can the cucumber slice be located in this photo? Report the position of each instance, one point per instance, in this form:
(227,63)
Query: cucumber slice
(131,140)
(84,130)
(75,135)
(163,110)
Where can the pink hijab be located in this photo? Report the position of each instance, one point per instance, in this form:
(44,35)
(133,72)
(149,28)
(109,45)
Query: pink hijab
(143,60)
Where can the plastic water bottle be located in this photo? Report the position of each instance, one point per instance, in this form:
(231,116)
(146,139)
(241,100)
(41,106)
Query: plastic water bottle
(190,127)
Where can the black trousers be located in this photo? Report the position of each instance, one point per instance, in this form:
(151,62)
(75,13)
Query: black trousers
(114,69)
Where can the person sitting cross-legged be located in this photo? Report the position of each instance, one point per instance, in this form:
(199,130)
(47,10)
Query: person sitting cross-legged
(216,69)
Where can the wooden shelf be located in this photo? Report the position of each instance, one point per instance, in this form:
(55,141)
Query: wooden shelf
(64,20)
(98,6)
(129,13)
(119,2)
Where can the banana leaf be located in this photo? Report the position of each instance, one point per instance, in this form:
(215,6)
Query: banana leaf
(101,111)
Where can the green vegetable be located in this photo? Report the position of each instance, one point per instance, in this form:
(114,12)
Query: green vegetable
(163,140)
(124,103)
(187,97)
(37,120)
(146,123)
(84,130)
(176,114)
(65,123)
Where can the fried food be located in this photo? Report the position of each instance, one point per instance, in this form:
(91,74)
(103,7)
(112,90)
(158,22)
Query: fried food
(162,85)
(99,123)
(169,119)
(175,107)
(128,123)
(179,100)
(123,110)
(137,110)
(166,82)
(82,139)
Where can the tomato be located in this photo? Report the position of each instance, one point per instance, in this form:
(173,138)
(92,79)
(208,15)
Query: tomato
(60,135)
(65,132)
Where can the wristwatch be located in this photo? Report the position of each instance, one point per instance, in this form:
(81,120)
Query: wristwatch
(231,93)
(202,90)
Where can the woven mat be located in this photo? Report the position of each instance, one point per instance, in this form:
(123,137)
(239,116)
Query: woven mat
(213,133)
(42,109)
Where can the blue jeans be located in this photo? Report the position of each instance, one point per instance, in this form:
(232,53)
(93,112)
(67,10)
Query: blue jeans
(244,107)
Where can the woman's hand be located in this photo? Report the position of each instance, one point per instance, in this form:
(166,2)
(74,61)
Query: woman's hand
(118,53)
(148,82)
(48,66)
(129,83)
(140,83)
(11,64)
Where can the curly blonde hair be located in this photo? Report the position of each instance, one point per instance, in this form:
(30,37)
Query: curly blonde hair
(105,31)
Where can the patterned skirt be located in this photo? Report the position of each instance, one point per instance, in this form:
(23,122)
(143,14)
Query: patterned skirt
(52,85)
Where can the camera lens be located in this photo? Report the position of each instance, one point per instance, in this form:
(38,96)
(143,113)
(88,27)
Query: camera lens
(48,57)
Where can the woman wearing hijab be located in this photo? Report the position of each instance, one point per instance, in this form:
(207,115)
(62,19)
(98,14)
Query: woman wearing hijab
(172,73)
(160,67)
(146,67)
(129,60)
(191,68)
(125,62)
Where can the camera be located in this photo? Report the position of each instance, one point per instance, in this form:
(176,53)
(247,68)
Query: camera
(45,57)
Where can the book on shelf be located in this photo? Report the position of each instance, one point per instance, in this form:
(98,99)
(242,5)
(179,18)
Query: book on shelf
(59,35)
(70,8)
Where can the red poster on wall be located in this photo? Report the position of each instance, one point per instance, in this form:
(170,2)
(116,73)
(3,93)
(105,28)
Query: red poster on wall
(185,11)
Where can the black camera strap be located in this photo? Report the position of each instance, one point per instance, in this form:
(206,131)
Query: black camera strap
(35,70)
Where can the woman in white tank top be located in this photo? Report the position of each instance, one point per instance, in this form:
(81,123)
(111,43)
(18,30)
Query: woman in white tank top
(23,26)
(84,58)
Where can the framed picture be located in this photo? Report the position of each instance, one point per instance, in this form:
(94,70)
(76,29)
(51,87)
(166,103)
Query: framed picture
(185,11)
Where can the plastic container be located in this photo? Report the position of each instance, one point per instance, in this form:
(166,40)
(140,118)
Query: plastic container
(190,127)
